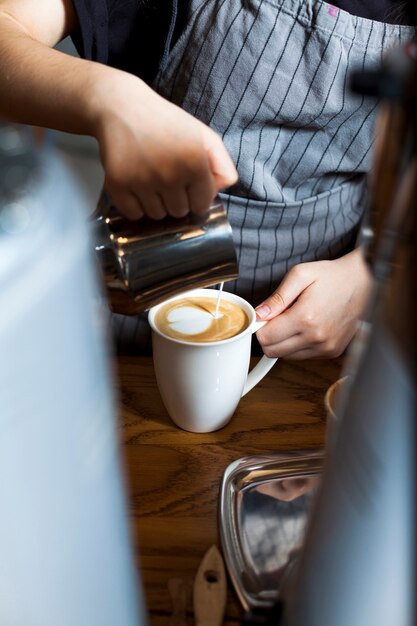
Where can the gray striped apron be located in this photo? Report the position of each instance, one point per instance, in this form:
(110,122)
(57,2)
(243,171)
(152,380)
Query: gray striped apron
(272,78)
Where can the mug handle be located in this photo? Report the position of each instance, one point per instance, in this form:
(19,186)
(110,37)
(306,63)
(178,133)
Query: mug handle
(261,368)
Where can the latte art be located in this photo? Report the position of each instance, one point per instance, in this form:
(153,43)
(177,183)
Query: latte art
(193,319)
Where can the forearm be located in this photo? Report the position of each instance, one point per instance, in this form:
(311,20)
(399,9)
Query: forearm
(157,158)
(44,87)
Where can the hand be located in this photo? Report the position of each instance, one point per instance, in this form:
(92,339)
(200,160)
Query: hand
(288,489)
(158,159)
(315,310)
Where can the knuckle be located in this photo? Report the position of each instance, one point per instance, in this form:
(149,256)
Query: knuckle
(318,335)
(315,332)
(302,273)
(297,271)
(308,321)
(333,349)
(277,299)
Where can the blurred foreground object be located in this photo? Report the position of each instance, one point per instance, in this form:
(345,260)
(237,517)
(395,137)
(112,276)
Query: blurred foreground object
(65,550)
(358,561)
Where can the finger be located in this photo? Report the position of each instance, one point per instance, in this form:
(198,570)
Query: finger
(152,204)
(304,355)
(221,164)
(285,333)
(283,348)
(293,348)
(129,205)
(176,202)
(201,194)
(291,287)
(279,329)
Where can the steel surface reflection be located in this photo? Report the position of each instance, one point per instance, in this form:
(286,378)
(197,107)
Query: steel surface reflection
(145,262)
(265,503)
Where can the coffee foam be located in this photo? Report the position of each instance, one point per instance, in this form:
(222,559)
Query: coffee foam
(193,319)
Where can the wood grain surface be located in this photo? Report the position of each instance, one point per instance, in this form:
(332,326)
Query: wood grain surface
(173,477)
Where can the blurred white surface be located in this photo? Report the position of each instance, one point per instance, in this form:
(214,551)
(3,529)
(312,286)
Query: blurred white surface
(65,552)
(80,153)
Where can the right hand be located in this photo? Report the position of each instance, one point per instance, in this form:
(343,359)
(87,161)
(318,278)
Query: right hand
(314,312)
(158,159)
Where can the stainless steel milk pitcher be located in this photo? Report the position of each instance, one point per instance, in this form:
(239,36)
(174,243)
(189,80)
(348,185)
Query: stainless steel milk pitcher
(145,262)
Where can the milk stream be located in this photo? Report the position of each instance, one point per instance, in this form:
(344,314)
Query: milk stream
(219,297)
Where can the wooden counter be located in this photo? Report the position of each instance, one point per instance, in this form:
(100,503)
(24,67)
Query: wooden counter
(174,476)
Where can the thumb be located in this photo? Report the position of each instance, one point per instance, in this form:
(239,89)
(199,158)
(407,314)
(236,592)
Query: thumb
(220,162)
(289,290)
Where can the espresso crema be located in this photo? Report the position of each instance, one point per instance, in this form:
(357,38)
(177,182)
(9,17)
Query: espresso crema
(193,319)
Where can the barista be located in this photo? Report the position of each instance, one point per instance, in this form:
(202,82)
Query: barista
(272,80)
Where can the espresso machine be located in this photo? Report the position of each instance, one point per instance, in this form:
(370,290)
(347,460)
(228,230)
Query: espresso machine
(342,552)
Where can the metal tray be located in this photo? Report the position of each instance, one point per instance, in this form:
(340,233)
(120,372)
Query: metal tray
(265,502)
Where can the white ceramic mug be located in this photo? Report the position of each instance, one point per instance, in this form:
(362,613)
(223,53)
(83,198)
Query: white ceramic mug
(201,383)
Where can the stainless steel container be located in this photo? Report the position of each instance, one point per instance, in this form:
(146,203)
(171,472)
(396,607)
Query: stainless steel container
(145,262)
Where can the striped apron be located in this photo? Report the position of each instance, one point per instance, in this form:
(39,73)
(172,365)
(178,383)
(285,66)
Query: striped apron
(271,77)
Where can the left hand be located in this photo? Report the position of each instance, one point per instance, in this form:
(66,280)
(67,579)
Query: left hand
(315,310)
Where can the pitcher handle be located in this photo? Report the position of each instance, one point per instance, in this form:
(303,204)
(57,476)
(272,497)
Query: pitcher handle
(261,368)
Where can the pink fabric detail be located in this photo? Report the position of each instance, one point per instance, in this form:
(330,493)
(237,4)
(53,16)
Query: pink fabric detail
(333,11)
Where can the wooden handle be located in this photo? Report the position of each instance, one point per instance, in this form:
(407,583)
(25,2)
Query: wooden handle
(210,590)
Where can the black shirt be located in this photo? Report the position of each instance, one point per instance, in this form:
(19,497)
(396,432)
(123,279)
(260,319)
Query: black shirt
(132,34)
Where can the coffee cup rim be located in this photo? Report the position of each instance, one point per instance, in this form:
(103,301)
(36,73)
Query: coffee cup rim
(211,292)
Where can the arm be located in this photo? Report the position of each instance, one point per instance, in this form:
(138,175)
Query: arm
(315,310)
(157,158)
